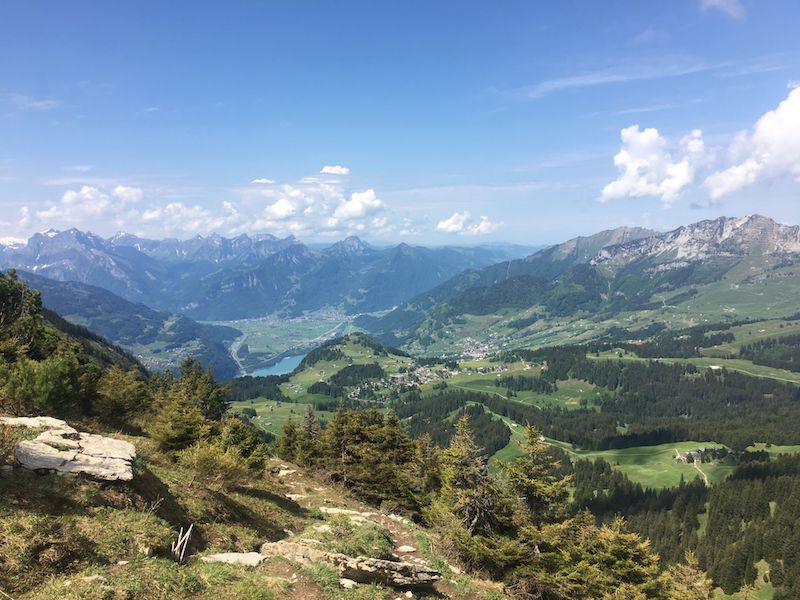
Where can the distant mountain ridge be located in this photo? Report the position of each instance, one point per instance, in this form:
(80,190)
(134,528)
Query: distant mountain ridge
(698,241)
(545,264)
(218,278)
(714,264)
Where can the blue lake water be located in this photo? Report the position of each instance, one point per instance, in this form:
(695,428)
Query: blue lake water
(285,365)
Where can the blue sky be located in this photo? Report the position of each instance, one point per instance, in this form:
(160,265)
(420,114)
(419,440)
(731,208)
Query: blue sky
(427,122)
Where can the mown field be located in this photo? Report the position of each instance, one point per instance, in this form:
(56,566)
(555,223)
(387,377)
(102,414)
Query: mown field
(271,415)
(734,364)
(275,336)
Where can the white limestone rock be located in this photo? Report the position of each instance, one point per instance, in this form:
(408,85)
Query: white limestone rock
(67,451)
(248,559)
(36,423)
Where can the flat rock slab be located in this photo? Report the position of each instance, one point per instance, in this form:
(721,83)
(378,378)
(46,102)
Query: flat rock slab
(70,451)
(362,569)
(35,423)
(248,559)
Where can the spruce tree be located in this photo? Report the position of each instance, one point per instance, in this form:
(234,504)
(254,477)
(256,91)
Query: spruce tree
(533,478)
(471,512)
(119,393)
(202,389)
(287,444)
(179,423)
(689,582)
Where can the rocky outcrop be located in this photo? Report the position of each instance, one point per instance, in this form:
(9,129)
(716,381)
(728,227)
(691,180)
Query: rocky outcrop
(248,559)
(63,449)
(361,569)
(35,422)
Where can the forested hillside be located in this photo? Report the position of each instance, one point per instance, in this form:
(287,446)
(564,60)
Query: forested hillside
(162,340)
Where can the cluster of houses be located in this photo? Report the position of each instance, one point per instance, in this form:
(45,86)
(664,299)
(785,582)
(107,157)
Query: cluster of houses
(704,455)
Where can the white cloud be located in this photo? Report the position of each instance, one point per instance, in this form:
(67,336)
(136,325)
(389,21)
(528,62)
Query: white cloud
(281,209)
(454,224)
(617,74)
(335,170)
(263,180)
(77,206)
(771,150)
(319,208)
(24,216)
(359,205)
(127,194)
(24,102)
(87,207)
(732,8)
(649,36)
(648,169)
(484,227)
(463,224)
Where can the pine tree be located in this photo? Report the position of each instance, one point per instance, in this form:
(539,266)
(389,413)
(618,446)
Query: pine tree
(426,468)
(689,582)
(287,444)
(473,516)
(202,389)
(307,441)
(533,477)
(180,423)
(119,393)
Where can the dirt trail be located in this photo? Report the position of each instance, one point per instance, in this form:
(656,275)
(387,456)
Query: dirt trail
(311,494)
(701,473)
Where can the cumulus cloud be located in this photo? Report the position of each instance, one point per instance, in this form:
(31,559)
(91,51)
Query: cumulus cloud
(77,206)
(454,224)
(335,170)
(463,224)
(647,168)
(483,227)
(263,180)
(322,207)
(732,8)
(127,194)
(281,209)
(358,206)
(771,150)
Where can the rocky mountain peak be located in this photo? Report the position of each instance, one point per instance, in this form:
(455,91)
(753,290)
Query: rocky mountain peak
(350,245)
(724,236)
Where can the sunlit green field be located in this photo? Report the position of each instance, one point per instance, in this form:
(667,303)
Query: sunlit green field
(732,364)
(774,450)
(271,415)
(754,332)
(655,466)
(651,466)
(274,336)
(568,395)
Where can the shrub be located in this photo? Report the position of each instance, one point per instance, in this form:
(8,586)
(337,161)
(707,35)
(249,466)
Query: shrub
(213,467)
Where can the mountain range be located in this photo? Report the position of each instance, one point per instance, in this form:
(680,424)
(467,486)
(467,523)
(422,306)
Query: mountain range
(147,293)
(218,278)
(717,269)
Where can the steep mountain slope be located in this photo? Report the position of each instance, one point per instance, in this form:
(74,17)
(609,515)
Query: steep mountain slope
(545,264)
(217,278)
(161,340)
(711,270)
